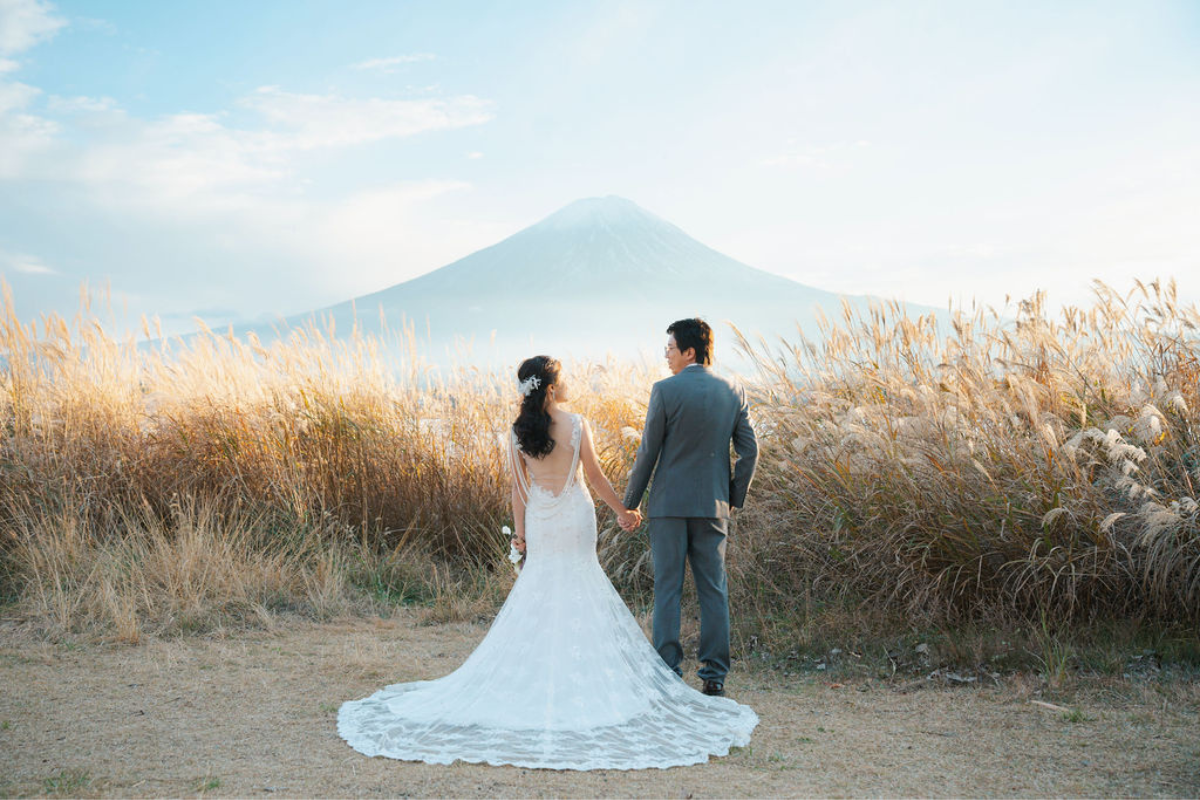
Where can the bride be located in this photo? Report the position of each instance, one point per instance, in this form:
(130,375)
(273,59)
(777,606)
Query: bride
(565,678)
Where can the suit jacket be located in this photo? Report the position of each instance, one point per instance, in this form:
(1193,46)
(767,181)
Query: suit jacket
(691,420)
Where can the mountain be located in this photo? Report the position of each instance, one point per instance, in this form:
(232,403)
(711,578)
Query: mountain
(599,275)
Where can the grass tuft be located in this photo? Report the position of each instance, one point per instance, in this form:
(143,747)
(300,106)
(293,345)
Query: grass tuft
(67,782)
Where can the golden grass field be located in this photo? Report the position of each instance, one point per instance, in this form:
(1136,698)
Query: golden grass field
(1035,474)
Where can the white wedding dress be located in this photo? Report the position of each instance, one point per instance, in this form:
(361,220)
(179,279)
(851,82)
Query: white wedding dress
(564,679)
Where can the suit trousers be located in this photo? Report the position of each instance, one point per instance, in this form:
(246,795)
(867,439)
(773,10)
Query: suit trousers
(700,542)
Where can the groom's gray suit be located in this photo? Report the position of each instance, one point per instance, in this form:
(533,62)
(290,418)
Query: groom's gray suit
(691,420)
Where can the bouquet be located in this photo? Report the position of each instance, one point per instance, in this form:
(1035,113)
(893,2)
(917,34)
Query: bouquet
(515,556)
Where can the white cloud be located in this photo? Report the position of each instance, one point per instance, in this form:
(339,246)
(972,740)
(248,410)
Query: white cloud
(25,23)
(311,121)
(474,154)
(22,134)
(388,65)
(244,195)
(183,155)
(27,264)
(94,24)
(234,196)
(15,96)
(175,157)
(80,104)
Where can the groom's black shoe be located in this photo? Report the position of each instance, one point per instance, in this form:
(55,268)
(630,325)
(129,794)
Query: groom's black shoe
(714,688)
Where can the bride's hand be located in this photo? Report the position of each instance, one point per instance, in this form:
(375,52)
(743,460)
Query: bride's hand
(629,519)
(519,543)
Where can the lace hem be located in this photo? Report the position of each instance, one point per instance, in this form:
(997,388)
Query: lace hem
(620,748)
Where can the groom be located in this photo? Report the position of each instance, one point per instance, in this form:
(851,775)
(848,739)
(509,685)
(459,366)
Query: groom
(691,421)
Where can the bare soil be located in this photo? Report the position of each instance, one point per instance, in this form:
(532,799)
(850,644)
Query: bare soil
(253,714)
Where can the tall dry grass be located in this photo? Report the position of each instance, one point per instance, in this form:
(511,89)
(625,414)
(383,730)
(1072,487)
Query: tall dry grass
(213,480)
(1043,468)
(1026,468)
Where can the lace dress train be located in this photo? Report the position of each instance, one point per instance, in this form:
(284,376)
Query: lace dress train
(564,679)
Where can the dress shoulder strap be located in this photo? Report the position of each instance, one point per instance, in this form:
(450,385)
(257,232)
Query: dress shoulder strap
(517,465)
(576,444)
(576,433)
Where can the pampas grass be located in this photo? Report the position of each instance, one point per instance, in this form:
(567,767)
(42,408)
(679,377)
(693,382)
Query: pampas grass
(1034,467)
(1043,467)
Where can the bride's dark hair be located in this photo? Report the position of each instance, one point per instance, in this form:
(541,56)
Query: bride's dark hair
(532,425)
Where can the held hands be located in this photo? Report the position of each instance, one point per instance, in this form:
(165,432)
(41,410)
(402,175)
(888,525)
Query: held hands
(630,519)
(518,542)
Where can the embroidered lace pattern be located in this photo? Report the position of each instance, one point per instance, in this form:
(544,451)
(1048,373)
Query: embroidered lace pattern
(564,679)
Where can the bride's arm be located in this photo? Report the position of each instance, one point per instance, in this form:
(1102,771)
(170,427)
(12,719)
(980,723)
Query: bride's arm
(596,477)
(518,498)
(518,508)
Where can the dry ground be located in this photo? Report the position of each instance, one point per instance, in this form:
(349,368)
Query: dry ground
(253,714)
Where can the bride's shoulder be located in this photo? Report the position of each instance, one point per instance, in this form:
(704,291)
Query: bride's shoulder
(577,423)
(568,422)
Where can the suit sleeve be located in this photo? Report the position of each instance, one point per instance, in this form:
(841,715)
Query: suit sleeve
(745,444)
(653,433)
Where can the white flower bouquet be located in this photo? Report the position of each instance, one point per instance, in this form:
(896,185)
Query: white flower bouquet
(515,556)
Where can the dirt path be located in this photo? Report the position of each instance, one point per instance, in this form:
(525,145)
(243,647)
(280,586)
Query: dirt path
(254,715)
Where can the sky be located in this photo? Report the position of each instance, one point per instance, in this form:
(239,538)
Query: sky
(237,161)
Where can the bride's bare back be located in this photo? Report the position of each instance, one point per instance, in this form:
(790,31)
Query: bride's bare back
(552,471)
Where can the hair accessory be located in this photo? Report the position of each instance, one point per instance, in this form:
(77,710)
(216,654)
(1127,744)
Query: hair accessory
(527,386)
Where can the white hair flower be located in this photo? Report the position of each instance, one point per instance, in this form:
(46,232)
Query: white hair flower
(527,386)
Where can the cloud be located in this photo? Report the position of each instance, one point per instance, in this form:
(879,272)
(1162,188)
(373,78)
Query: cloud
(175,157)
(15,96)
(80,104)
(311,121)
(474,154)
(239,199)
(388,65)
(27,264)
(25,23)
(225,196)
(22,135)
(94,24)
(180,156)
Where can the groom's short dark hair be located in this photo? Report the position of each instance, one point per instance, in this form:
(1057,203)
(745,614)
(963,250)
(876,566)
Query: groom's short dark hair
(693,332)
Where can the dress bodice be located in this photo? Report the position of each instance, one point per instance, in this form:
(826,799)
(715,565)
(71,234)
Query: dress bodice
(564,522)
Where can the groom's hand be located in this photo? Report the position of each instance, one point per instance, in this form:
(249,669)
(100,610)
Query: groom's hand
(630,520)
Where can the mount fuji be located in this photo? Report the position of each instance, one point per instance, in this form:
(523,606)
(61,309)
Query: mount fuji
(601,275)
